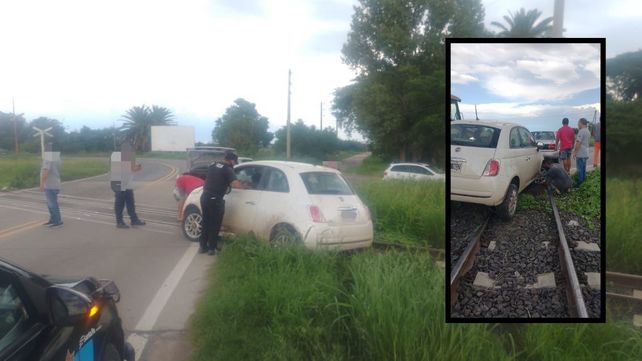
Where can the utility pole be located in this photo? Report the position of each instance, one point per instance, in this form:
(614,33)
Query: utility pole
(288,154)
(15,128)
(321,109)
(558,19)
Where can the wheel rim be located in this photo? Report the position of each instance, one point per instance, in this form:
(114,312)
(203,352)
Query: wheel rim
(193,225)
(283,237)
(512,205)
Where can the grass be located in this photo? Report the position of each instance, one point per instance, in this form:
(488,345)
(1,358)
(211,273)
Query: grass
(372,165)
(406,211)
(623,227)
(294,304)
(164,155)
(23,171)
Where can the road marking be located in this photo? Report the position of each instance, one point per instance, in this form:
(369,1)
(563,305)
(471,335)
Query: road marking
(19,228)
(149,318)
(173,172)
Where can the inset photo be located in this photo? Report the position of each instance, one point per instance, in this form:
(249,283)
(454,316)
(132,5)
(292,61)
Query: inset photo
(526,191)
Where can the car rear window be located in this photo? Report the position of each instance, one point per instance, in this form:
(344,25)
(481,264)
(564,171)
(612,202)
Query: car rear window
(543,135)
(473,135)
(325,183)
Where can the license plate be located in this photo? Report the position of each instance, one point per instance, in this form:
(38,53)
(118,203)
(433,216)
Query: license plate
(349,214)
(455,167)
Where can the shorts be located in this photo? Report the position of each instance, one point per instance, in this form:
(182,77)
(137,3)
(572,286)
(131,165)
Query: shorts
(565,154)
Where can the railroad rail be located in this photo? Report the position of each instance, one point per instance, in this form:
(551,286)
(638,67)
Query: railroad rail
(466,260)
(627,289)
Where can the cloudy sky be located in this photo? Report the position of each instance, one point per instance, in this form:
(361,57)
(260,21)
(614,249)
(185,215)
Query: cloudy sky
(86,62)
(533,84)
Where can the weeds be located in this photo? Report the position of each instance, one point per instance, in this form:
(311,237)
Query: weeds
(623,227)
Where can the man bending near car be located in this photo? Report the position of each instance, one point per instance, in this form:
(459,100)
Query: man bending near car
(220,176)
(556,177)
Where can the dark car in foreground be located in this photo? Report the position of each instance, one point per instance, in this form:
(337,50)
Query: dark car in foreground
(42,319)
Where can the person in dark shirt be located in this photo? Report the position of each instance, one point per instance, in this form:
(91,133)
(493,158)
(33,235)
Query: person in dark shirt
(556,176)
(220,176)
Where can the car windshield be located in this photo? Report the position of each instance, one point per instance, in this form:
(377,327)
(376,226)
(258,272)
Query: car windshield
(473,135)
(325,183)
(543,135)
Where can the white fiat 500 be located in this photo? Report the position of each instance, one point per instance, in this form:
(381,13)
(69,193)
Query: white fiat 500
(287,200)
(491,162)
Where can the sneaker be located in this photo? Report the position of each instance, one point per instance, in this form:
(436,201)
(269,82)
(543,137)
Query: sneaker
(138,222)
(211,252)
(48,223)
(202,250)
(121,225)
(58,224)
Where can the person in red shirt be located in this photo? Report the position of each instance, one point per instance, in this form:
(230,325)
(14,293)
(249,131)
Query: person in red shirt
(565,139)
(185,184)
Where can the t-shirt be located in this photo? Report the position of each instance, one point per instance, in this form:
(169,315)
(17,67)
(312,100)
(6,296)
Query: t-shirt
(596,130)
(187,183)
(583,137)
(566,135)
(219,177)
(53,177)
(558,177)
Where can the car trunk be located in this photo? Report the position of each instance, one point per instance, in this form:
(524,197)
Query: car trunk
(469,162)
(339,210)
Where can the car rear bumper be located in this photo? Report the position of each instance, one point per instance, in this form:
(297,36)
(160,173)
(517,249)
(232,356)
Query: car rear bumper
(554,154)
(488,191)
(342,237)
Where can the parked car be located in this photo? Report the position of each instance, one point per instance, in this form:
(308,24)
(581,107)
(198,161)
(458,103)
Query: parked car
(414,171)
(284,201)
(491,163)
(199,159)
(50,320)
(546,144)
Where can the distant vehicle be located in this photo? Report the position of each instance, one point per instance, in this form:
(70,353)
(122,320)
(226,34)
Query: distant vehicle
(289,201)
(49,320)
(491,162)
(412,171)
(454,108)
(546,144)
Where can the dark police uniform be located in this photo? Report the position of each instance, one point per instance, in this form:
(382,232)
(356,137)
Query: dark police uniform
(219,177)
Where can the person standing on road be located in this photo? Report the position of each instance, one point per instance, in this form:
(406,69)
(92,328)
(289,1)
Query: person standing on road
(220,176)
(564,141)
(50,184)
(123,167)
(596,146)
(580,152)
(556,176)
(185,184)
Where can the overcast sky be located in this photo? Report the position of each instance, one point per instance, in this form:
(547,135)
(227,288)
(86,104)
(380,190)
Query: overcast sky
(86,62)
(532,84)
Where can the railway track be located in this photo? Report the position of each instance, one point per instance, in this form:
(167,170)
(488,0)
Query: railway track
(517,274)
(624,292)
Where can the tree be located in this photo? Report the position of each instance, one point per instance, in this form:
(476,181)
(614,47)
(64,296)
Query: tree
(138,122)
(32,144)
(243,128)
(624,75)
(309,142)
(396,49)
(7,136)
(521,24)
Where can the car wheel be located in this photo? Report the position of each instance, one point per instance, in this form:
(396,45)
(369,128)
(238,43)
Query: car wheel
(506,210)
(283,235)
(192,223)
(110,353)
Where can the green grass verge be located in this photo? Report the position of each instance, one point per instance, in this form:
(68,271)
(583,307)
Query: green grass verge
(406,211)
(372,165)
(23,171)
(295,304)
(623,226)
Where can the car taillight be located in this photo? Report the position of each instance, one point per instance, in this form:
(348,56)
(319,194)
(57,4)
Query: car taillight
(317,215)
(367,212)
(551,146)
(492,168)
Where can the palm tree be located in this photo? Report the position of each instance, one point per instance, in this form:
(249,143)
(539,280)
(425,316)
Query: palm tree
(522,25)
(138,123)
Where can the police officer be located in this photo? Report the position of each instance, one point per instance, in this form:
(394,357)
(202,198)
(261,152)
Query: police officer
(220,176)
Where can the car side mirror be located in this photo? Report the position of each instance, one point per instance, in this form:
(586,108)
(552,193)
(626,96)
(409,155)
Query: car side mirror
(67,307)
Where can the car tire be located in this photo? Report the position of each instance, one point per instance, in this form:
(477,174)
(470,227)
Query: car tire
(506,210)
(192,223)
(284,235)
(110,353)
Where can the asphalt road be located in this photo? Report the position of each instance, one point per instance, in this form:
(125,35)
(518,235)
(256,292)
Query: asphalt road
(159,273)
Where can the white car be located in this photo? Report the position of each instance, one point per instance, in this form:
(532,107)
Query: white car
(287,200)
(491,162)
(414,171)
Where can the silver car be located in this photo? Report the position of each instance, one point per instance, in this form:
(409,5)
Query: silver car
(546,144)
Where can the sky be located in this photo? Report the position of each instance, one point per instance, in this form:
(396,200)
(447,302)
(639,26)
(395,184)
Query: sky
(535,85)
(86,62)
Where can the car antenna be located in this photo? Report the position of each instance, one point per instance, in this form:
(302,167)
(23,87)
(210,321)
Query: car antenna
(476,117)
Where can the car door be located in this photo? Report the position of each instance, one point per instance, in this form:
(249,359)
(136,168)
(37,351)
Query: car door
(533,158)
(275,203)
(241,204)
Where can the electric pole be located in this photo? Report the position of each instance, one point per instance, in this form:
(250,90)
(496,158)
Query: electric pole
(15,128)
(558,19)
(288,154)
(321,108)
